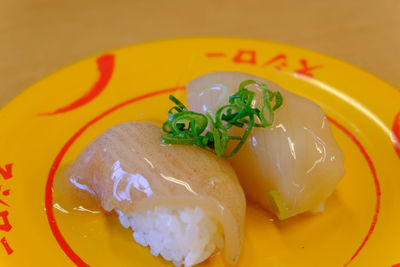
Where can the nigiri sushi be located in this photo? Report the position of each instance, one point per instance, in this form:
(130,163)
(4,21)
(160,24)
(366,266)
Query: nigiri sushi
(292,166)
(183,202)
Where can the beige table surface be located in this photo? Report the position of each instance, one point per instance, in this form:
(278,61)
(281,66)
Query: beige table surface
(38,37)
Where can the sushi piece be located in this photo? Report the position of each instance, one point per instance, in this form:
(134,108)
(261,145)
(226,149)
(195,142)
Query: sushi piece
(183,202)
(292,166)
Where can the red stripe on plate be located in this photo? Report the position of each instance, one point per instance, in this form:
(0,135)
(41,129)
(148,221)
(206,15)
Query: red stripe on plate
(376,182)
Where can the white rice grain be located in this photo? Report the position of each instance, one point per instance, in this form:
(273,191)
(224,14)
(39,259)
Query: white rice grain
(185,236)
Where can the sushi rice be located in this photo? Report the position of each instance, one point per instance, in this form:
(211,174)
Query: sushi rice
(184,235)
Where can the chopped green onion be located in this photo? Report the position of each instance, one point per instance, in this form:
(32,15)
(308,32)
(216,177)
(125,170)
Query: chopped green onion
(277,205)
(186,127)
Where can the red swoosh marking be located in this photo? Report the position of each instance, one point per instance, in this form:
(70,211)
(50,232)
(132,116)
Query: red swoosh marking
(49,184)
(105,66)
(396,134)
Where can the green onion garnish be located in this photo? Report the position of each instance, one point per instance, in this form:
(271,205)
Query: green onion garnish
(277,205)
(186,127)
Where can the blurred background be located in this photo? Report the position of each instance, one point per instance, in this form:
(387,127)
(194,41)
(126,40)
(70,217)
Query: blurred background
(38,37)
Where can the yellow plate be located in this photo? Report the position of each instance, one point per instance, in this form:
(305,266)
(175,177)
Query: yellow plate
(44,129)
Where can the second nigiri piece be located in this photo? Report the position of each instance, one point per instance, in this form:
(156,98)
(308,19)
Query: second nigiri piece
(292,166)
